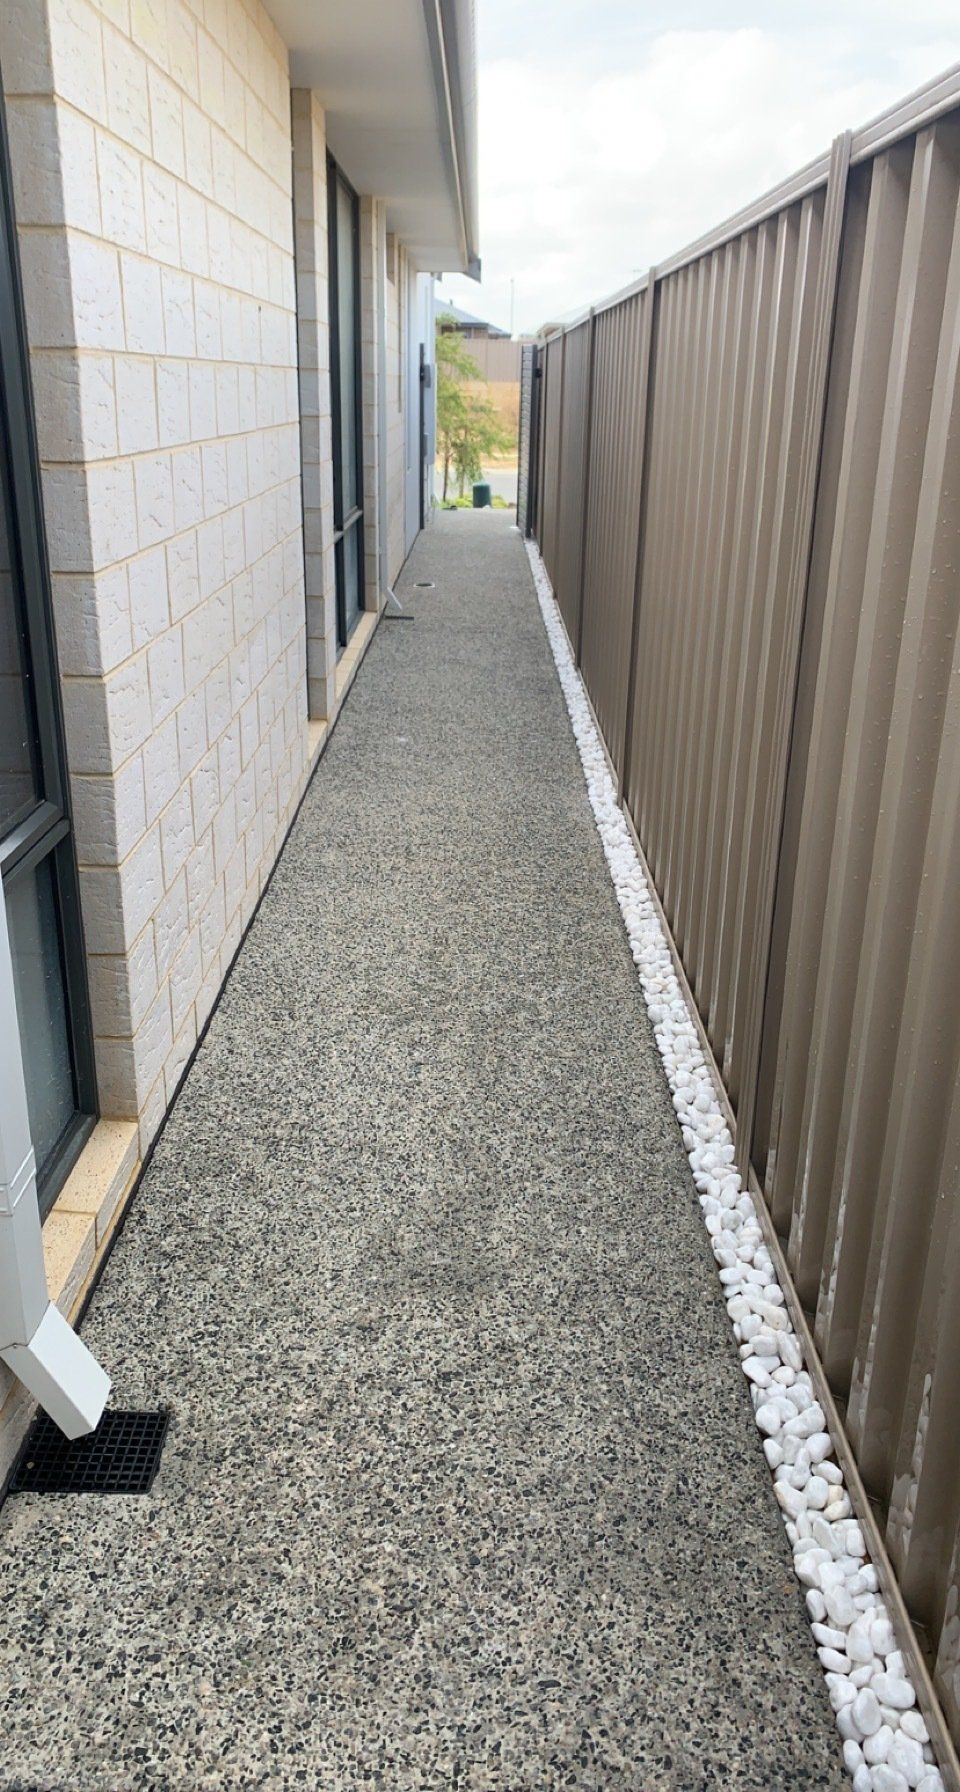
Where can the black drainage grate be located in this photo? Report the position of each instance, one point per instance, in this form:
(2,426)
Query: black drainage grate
(121,1456)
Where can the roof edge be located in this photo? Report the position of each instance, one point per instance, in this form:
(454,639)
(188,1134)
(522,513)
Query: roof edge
(451,34)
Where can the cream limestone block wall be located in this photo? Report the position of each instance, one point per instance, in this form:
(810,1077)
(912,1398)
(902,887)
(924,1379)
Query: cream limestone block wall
(316,447)
(151,153)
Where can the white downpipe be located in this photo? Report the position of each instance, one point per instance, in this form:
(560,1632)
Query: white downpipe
(36,1342)
(383,462)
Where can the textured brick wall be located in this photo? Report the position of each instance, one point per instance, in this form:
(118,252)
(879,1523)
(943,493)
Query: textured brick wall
(152,160)
(310,233)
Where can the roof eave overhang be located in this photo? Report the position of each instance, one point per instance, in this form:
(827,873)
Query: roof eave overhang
(451,32)
(398,87)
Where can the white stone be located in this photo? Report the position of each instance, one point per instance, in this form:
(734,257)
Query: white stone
(882,1635)
(825,1535)
(877,1747)
(852,1756)
(832,1659)
(790,1499)
(806,1423)
(886,1779)
(912,1724)
(816,1492)
(845,1724)
(769,1418)
(859,1643)
(892,1690)
(757,1371)
(866,1712)
(906,1756)
(840,1607)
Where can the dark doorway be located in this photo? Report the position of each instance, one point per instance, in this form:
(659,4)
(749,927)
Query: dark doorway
(39,874)
(343,218)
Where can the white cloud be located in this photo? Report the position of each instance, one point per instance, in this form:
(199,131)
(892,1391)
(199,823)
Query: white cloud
(607,143)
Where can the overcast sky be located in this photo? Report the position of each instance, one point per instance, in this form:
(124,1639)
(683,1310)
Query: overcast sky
(612,132)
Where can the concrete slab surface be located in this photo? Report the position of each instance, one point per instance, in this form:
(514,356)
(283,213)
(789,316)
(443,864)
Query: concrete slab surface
(462,1487)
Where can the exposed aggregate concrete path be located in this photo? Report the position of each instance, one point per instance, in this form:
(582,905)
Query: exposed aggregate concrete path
(463,1487)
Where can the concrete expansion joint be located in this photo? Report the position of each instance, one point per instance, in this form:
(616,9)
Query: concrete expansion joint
(885,1740)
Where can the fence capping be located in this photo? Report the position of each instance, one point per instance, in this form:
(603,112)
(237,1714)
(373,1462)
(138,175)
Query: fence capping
(928,103)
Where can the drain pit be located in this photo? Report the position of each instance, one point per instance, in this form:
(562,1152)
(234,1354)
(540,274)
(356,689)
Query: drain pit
(121,1456)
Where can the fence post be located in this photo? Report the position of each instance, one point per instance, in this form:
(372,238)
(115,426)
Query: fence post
(585,489)
(533,470)
(646,405)
(795,608)
(558,481)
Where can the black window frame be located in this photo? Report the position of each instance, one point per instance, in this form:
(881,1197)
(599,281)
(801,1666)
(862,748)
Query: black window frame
(46,831)
(343,524)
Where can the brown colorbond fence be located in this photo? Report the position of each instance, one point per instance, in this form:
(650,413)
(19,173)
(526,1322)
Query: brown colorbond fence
(749,507)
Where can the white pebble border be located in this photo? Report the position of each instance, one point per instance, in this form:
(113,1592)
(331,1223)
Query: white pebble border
(885,1743)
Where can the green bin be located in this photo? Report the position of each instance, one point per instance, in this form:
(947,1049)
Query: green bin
(481,495)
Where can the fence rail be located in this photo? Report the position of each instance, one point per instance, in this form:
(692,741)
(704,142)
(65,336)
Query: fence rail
(746,472)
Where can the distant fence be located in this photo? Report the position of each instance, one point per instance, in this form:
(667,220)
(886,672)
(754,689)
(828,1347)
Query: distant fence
(527,450)
(743,475)
(497,357)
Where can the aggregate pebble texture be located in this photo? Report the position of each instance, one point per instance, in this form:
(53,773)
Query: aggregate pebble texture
(463,1487)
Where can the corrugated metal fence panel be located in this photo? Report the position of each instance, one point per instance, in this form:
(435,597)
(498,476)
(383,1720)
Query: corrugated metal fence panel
(853,1109)
(551,403)
(859,1148)
(526,476)
(523,435)
(731,377)
(573,442)
(611,542)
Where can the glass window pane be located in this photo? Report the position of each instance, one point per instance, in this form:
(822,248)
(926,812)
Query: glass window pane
(351,573)
(41,1006)
(18,786)
(347,323)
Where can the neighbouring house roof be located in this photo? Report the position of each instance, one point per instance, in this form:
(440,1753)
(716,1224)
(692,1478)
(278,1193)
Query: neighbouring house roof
(397,80)
(465,320)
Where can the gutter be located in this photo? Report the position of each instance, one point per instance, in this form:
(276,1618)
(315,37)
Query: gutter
(451,34)
(36,1342)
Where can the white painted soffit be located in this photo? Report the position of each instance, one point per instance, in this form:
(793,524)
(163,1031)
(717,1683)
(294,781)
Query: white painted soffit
(397,80)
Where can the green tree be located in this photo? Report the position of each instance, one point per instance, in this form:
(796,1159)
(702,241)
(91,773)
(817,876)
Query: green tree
(468,426)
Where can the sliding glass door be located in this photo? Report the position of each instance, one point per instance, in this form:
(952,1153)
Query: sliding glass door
(39,877)
(343,217)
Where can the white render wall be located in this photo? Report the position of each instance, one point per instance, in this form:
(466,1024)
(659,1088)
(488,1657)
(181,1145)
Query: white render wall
(150,142)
